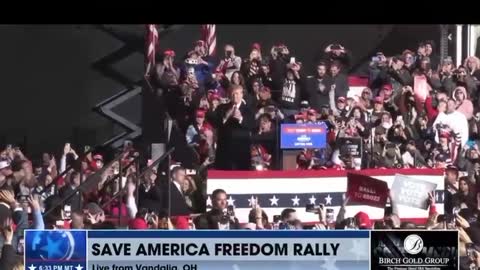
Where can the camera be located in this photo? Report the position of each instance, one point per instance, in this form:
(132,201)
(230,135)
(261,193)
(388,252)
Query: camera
(150,218)
(229,54)
(277,218)
(329,216)
(67,212)
(312,208)
(225,218)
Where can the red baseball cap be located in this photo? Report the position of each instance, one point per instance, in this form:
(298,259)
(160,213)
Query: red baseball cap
(169,52)
(341,99)
(181,222)
(137,224)
(256,46)
(200,114)
(215,96)
(363,220)
(444,134)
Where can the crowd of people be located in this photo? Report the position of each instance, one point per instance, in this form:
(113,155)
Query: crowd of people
(418,111)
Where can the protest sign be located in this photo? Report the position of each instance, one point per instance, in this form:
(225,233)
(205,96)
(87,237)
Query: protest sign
(411,192)
(367,190)
(350,147)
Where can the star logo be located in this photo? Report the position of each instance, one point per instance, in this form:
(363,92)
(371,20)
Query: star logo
(252,201)
(231,201)
(328,200)
(329,264)
(79,267)
(358,250)
(296,201)
(312,199)
(32,267)
(273,201)
(53,248)
(209,201)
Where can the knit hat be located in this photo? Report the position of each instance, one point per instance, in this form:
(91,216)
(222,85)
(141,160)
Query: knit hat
(137,224)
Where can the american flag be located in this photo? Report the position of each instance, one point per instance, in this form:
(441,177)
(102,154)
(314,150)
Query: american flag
(151,45)
(209,35)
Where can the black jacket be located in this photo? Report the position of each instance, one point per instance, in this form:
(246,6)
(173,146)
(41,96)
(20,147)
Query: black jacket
(341,85)
(74,201)
(233,144)
(178,206)
(292,94)
(318,90)
(151,199)
(8,259)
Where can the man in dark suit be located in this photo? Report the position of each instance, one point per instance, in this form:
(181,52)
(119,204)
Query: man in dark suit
(150,193)
(339,81)
(177,203)
(236,121)
(75,201)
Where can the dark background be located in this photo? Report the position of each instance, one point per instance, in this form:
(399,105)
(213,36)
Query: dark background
(49,86)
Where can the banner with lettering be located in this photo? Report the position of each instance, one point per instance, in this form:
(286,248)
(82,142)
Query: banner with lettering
(411,192)
(300,136)
(367,190)
(277,190)
(350,147)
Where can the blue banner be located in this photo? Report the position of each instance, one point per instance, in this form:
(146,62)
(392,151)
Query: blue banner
(300,136)
(196,250)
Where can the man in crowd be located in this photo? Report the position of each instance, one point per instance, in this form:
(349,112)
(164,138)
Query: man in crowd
(319,88)
(339,81)
(236,121)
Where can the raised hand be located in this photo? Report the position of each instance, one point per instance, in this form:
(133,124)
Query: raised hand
(237,114)
(67,149)
(7,197)
(33,203)
(7,231)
